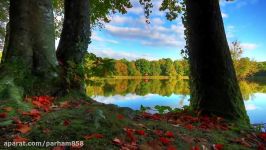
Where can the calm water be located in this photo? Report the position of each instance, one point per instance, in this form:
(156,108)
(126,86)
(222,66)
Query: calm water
(173,93)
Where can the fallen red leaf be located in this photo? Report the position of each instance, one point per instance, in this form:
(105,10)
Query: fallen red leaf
(169,134)
(130,134)
(189,126)
(34,113)
(195,147)
(171,147)
(95,135)
(46,130)
(16,120)
(120,117)
(140,132)
(65,104)
(218,146)
(117,141)
(66,122)
(158,132)
(20,139)
(164,140)
(262,136)
(261,147)
(3,115)
(23,128)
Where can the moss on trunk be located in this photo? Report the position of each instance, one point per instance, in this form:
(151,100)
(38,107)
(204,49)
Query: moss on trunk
(214,87)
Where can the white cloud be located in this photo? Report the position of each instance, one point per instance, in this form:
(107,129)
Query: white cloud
(230,29)
(109,53)
(119,98)
(251,107)
(249,46)
(119,19)
(152,35)
(224,15)
(95,37)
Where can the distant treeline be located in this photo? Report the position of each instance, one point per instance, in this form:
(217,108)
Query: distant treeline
(107,67)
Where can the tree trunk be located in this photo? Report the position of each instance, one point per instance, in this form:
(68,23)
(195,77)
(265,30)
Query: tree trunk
(30,51)
(73,43)
(214,87)
(6,43)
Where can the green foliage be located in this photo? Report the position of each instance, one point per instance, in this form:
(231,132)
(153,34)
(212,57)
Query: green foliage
(163,109)
(244,67)
(0,55)
(141,87)
(144,109)
(99,67)
(143,66)
(155,68)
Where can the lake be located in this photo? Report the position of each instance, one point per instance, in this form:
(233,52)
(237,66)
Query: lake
(173,93)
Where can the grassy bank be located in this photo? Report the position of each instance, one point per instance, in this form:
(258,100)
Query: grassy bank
(109,127)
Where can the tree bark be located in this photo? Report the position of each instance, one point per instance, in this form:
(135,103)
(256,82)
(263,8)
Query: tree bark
(6,43)
(73,43)
(30,48)
(214,87)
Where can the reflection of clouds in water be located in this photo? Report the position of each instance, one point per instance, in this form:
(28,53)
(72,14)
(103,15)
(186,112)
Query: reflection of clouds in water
(251,107)
(117,98)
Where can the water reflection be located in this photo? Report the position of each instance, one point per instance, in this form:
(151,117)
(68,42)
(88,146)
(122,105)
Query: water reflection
(138,87)
(174,93)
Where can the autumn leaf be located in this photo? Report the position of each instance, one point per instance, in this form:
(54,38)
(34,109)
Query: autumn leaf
(91,136)
(262,136)
(169,134)
(16,120)
(37,103)
(130,134)
(34,113)
(195,147)
(171,147)
(46,130)
(140,132)
(218,146)
(64,104)
(3,115)
(158,132)
(23,128)
(7,109)
(120,117)
(66,122)
(189,126)
(20,139)
(117,141)
(164,140)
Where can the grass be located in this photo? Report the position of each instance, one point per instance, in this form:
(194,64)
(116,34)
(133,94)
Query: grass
(86,117)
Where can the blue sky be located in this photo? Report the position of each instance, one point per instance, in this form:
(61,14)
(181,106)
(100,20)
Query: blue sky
(128,36)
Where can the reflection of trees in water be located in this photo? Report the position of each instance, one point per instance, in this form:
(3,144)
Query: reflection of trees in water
(161,87)
(139,87)
(249,88)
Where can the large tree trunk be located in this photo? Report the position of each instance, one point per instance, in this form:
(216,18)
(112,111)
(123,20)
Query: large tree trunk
(73,43)
(214,87)
(6,43)
(30,51)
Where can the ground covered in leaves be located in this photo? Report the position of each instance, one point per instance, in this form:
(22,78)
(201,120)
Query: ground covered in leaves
(87,124)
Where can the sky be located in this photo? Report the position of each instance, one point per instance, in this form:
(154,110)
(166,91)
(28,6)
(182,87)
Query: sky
(129,36)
